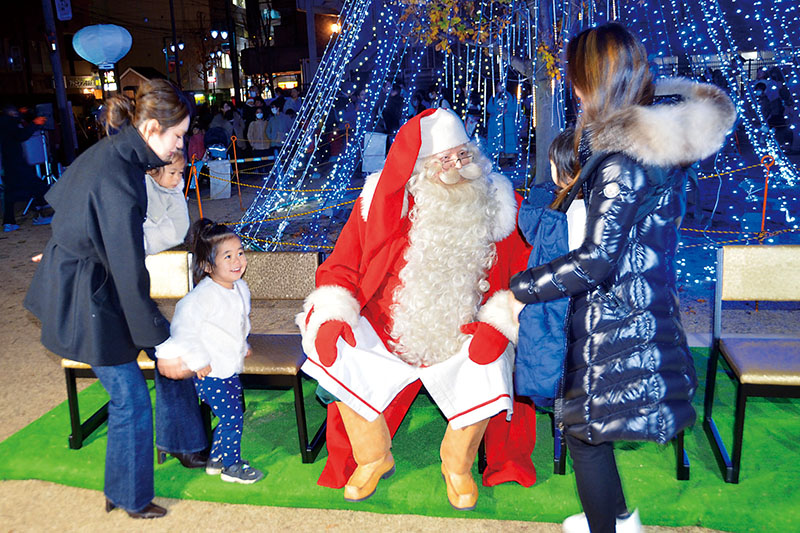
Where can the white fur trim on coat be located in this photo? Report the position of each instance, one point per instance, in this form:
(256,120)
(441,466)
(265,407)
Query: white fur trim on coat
(330,302)
(667,135)
(506,220)
(497,313)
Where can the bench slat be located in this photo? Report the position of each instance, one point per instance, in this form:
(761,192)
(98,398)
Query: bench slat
(274,354)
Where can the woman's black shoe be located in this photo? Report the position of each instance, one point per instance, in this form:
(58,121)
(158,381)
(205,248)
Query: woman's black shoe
(188,460)
(151,510)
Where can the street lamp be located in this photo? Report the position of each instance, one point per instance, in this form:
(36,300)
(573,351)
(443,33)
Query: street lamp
(170,56)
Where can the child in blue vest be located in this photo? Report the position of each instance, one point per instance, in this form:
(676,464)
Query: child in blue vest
(553,223)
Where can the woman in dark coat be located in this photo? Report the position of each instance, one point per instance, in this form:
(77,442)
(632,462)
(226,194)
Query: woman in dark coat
(91,292)
(629,373)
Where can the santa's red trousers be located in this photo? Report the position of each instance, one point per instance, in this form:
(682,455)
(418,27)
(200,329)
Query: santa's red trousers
(509,445)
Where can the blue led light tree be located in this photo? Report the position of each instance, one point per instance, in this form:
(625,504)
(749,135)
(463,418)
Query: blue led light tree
(316,177)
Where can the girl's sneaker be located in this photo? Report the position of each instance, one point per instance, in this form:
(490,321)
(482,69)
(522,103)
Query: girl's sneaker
(241,472)
(214,466)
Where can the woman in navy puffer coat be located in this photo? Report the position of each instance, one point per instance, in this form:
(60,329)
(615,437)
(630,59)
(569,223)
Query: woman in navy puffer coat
(629,373)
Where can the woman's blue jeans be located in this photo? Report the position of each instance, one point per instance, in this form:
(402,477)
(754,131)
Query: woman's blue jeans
(129,452)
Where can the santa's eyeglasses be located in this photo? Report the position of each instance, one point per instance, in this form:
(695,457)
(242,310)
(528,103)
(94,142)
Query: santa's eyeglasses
(464,156)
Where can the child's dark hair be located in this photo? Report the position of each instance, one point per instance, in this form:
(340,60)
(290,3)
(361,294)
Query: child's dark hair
(206,236)
(562,154)
(177,158)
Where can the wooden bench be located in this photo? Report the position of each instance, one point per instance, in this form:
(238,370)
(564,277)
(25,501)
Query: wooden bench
(760,366)
(276,358)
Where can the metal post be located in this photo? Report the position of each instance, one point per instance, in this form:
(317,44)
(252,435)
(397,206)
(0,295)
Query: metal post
(67,123)
(175,44)
(166,57)
(311,32)
(233,51)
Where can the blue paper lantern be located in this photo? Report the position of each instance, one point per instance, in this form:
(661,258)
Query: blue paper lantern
(102,44)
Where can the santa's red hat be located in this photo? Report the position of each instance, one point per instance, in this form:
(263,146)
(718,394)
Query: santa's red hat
(430,132)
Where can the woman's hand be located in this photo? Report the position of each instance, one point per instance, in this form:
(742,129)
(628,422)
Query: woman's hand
(174,368)
(516,307)
(203,372)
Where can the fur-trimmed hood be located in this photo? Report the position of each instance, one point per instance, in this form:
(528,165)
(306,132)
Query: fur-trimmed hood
(503,192)
(668,135)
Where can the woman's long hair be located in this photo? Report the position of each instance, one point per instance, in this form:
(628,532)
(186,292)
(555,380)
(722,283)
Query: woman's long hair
(155,99)
(608,67)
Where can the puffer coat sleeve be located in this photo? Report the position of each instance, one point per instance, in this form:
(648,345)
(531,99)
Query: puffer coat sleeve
(619,188)
(628,370)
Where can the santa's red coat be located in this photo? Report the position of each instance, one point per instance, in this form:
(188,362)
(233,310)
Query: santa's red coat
(365,276)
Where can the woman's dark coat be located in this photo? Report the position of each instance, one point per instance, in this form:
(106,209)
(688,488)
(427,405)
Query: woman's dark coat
(629,373)
(91,290)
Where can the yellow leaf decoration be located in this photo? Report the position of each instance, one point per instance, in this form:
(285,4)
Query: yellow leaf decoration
(447,22)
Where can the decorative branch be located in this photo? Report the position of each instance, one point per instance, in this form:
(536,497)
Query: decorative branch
(447,22)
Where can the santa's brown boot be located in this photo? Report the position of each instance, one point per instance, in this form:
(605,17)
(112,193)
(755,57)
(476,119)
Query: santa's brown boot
(459,447)
(371,444)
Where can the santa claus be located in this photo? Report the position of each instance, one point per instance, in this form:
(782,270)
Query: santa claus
(415,292)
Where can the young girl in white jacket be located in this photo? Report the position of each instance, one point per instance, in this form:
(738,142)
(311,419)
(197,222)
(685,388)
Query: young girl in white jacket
(209,333)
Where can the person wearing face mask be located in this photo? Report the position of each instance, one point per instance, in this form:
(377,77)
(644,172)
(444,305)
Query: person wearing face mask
(435,100)
(278,127)
(91,292)
(415,292)
(257,134)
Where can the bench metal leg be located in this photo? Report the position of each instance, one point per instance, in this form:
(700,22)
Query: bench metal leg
(681,458)
(482,456)
(308,451)
(80,430)
(206,415)
(738,432)
(559,449)
(729,468)
(711,383)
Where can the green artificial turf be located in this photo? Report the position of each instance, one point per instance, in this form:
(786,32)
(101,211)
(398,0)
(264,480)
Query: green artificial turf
(766,499)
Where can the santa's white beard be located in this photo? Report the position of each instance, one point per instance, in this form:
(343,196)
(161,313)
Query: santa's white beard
(449,253)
